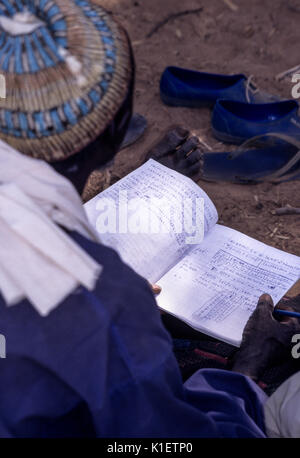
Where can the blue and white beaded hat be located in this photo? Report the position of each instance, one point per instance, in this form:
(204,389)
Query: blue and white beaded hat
(67,69)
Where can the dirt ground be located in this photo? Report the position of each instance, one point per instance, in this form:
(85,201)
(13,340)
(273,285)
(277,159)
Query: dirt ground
(259,37)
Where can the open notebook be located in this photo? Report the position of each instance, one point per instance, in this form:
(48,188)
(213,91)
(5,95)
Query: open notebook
(213,285)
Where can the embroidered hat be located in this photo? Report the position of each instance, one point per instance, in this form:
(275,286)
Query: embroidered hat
(67,69)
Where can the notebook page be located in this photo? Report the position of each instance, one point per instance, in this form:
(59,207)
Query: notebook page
(150,254)
(215,288)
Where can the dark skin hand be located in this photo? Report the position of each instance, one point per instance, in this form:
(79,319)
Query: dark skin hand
(266,340)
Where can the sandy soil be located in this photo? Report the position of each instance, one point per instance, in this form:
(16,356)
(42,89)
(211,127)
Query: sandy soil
(260,38)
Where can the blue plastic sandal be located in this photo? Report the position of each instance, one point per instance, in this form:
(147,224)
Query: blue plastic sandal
(249,166)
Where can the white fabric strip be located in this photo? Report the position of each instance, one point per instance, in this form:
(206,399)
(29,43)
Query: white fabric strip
(282,410)
(38,260)
(20,23)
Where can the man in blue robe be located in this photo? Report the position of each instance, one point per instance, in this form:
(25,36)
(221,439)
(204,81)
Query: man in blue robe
(100,363)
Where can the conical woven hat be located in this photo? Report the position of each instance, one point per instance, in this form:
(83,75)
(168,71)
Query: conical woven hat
(67,69)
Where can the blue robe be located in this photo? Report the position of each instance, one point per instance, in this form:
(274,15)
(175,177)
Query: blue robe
(102,365)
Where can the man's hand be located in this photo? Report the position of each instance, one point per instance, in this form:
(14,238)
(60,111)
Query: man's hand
(178,151)
(265,339)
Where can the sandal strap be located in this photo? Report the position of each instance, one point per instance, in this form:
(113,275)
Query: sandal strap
(280,174)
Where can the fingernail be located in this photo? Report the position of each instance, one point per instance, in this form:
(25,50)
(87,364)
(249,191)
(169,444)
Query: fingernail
(156,289)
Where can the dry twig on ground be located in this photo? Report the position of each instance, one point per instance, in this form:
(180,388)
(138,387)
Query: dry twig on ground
(287,73)
(288,210)
(170,18)
(231,5)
